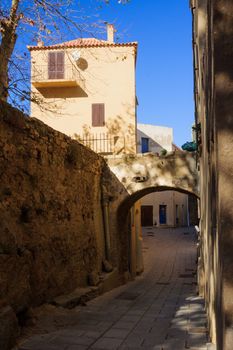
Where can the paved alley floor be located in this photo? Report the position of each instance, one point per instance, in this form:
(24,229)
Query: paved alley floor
(159,310)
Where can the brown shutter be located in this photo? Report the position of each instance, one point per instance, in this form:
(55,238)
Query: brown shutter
(56,65)
(98,114)
(60,65)
(101,114)
(95,114)
(52,65)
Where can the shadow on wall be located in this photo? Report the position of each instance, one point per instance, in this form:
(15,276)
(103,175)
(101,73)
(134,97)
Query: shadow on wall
(152,143)
(68,92)
(223,56)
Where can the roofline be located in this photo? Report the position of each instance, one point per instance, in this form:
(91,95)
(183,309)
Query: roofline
(62,46)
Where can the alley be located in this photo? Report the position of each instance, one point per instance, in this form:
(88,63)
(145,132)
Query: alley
(159,310)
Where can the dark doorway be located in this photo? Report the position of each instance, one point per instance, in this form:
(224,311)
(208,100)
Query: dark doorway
(147,215)
(162,214)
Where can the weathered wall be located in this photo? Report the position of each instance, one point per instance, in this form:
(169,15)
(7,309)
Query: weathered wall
(213,54)
(148,172)
(51,212)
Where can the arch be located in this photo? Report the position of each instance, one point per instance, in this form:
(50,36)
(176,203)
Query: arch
(149,173)
(128,229)
(128,202)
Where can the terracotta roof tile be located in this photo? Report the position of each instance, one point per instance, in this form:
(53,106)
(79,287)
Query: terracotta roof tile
(82,42)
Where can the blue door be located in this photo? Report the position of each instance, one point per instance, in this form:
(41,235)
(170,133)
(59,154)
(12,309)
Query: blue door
(145,144)
(162,214)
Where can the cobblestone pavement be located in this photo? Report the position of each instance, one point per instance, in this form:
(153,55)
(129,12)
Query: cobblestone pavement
(159,310)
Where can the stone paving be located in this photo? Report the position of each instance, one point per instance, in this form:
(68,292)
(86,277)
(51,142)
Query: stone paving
(160,310)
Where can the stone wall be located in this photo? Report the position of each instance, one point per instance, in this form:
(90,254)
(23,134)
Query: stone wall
(213,55)
(52,234)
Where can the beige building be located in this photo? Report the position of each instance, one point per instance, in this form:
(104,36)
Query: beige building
(87,90)
(165,209)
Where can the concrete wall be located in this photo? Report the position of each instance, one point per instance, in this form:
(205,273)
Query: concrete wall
(53,192)
(171,199)
(213,56)
(109,78)
(160,137)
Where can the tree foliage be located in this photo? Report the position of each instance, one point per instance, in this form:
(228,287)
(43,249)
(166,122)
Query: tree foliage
(25,22)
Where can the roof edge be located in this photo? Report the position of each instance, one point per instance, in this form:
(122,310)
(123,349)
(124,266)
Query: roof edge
(62,46)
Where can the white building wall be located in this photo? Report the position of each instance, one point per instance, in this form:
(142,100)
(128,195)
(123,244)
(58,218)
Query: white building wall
(160,137)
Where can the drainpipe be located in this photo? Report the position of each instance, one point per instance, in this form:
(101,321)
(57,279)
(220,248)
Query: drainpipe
(105,206)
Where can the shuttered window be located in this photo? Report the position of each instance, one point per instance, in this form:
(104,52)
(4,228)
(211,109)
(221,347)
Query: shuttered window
(98,112)
(56,65)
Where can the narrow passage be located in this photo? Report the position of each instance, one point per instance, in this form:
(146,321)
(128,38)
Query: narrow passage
(159,310)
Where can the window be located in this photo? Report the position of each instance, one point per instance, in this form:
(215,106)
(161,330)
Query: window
(145,144)
(98,112)
(56,65)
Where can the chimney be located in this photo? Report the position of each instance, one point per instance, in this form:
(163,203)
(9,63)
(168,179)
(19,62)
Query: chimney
(110,32)
(40,43)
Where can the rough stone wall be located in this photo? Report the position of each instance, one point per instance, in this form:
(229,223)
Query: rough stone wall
(52,231)
(213,53)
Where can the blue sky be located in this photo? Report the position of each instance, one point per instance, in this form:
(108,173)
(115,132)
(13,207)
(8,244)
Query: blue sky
(164,66)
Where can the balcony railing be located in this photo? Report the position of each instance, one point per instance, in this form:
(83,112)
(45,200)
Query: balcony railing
(66,76)
(103,143)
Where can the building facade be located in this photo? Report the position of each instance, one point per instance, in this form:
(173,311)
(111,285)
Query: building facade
(213,57)
(87,90)
(153,138)
(165,209)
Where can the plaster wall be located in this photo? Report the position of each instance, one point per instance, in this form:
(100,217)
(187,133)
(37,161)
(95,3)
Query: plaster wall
(160,137)
(170,199)
(213,53)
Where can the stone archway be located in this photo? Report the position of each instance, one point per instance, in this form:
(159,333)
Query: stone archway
(147,171)
(129,222)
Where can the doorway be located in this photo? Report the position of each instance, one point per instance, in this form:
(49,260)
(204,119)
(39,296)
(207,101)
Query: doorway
(147,215)
(162,214)
(145,144)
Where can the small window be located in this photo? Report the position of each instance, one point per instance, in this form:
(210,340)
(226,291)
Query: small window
(98,114)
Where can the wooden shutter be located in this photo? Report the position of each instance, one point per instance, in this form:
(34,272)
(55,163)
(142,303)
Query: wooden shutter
(56,65)
(101,114)
(60,65)
(98,114)
(52,65)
